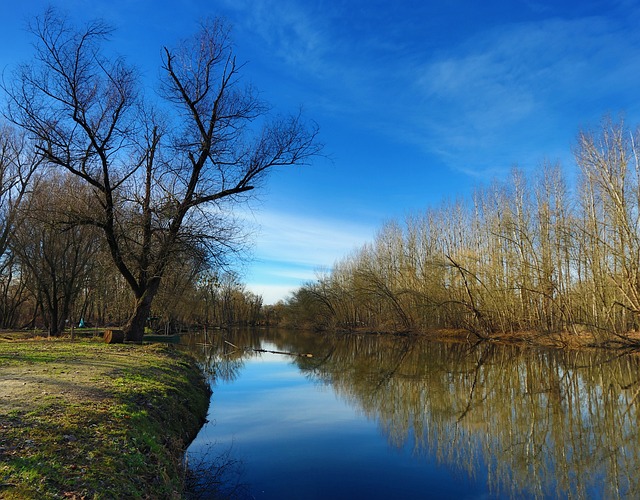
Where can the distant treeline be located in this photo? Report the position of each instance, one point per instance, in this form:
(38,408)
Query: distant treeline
(531,254)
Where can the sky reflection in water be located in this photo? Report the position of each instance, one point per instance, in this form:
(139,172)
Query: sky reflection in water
(297,439)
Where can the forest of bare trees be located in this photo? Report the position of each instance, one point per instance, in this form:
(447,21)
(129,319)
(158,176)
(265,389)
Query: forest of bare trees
(114,210)
(536,253)
(114,204)
(55,275)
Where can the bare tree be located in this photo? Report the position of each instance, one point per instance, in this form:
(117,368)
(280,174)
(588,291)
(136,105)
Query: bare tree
(611,195)
(160,175)
(57,259)
(17,166)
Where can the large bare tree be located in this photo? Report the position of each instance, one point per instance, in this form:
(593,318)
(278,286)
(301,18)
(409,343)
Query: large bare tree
(163,174)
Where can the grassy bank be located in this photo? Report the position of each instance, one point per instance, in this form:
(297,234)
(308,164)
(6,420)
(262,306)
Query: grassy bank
(88,420)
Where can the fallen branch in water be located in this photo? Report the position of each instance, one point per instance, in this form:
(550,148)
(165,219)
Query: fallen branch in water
(284,352)
(271,352)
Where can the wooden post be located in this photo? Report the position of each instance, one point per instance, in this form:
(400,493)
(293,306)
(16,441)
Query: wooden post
(114,336)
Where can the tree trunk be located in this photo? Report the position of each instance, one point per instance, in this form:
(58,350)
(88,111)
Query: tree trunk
(134,329)
(54,319)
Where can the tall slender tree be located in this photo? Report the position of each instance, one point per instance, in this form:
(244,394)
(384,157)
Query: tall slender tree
(18,163)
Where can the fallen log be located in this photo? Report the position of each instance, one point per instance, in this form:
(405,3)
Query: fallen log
(285,353)
(114,336)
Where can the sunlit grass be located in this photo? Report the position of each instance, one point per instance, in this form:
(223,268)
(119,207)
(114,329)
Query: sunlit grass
(112,424)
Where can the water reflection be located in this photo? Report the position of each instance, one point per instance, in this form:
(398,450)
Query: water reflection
(539,423)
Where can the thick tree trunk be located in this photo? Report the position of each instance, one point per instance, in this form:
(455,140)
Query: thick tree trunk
(134,329)
(54,322)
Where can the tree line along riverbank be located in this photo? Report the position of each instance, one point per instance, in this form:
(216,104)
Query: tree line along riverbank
(88,420)
(546,253)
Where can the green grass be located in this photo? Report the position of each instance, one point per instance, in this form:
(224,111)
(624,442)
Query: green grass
(96,421)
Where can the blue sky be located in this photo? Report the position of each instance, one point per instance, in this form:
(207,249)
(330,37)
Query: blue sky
(418,102)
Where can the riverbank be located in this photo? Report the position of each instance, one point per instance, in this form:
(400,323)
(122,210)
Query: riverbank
(83,419)
(574,340)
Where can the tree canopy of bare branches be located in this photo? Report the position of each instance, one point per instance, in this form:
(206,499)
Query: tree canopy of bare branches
(163,174)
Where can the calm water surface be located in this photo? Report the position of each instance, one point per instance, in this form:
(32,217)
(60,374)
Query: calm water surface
(390,417)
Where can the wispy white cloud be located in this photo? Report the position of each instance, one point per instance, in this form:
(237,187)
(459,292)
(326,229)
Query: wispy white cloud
(288,29)
(306,241)
(478,104)
(501,96)
(291,249)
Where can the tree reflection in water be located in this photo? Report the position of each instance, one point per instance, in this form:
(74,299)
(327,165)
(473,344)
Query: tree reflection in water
(546,422)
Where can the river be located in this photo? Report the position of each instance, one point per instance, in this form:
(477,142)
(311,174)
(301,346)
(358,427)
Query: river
(368,416)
